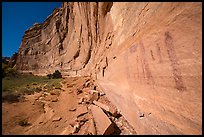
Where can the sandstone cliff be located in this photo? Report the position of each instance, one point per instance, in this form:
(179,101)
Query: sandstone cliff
(146,57)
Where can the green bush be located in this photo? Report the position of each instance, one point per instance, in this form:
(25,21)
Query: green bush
(56,74)
(11,72)
(4,69)
(10,97)
(49,76)
(8,71)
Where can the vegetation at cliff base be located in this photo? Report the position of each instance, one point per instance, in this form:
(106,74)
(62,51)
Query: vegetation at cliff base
(55,75)
(7,71)
(15,86)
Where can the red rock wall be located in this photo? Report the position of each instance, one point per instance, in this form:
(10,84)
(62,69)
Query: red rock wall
(157,69)
(146,57)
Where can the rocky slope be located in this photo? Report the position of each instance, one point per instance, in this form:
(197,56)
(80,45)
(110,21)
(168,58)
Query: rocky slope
(145,56)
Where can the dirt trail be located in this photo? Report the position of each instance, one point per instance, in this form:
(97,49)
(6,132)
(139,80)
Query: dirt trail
(56,112)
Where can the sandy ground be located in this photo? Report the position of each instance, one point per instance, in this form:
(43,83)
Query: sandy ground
(52,113)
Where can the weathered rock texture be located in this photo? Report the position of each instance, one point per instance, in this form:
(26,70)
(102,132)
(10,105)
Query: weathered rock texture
(146,57)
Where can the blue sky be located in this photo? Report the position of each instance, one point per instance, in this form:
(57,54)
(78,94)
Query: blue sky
(18,17)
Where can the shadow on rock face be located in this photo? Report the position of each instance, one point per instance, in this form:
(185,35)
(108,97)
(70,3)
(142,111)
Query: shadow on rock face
(117,131)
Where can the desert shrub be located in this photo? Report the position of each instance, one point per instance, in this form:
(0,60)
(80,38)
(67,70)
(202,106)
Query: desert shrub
(4,69)
(49,76)
(27,90)
(24,122)
(56,74)
(11,72)
(8,71)
(11,97)
(30,90)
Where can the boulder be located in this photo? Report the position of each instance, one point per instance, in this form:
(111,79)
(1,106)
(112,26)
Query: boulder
(112,110)
(103,124)
(81,110)
(93,95)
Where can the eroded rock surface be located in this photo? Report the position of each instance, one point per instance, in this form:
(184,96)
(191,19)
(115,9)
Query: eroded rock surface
(145,56)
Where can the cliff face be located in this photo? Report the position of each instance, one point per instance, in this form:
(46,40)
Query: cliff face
(146,57)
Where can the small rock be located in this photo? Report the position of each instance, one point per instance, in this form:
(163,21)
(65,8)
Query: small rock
(55,100)
(141,115)
(56,119)
(70,92)
(93,91)
(92,97)
(87,84)
(72,109)
(79,91)
(81,100)
(40,98)
(102,93)
(54,92)
(76,128)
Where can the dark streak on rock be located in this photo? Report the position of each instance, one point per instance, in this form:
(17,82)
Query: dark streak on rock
(152,55)
(174,62)
(146,65)
(159,53)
